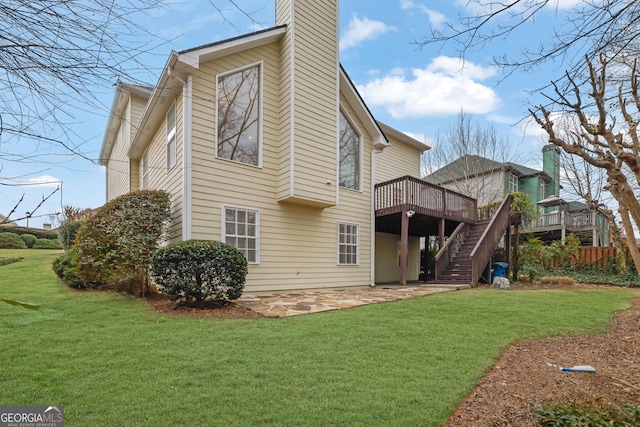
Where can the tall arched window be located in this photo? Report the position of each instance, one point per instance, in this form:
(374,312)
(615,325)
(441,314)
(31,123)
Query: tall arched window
(350,155)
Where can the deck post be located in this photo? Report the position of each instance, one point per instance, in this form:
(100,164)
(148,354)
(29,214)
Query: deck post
(441,228)
(404,247)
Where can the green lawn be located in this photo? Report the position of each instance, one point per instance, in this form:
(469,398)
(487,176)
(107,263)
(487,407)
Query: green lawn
(112,361)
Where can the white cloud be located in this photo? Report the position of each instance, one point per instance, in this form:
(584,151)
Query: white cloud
(420,137)
(444,87)
(359,30)
(436,18)
(43,181)
(489,6)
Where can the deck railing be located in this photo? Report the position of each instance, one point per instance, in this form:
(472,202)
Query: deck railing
(559,218)
(428,199)
(481,253)
(451,247)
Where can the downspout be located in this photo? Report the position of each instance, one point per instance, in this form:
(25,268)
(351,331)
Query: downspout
(187,87)
(373,216)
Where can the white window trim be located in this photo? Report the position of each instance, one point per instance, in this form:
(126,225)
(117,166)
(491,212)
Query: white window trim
(260,65)
(513,179)
(144,170)
(357,245)
(360,142)
(223,222)
(172,135)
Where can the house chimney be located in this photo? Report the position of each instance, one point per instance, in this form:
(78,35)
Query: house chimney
(309,101)
(551,166)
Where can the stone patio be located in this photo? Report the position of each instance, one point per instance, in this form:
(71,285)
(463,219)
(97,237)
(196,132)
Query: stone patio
(306,302)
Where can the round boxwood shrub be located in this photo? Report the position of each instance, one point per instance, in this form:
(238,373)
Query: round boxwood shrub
(47,244)
(198,270)
(11,241)
(28,239)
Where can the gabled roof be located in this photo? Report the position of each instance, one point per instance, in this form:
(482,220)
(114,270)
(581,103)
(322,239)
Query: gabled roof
(472,165)
(389,131)
(3,218)
(350,92)
(180,64)
(124,92)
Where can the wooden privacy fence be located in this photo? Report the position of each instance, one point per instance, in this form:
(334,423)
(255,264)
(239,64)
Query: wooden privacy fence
(593,257)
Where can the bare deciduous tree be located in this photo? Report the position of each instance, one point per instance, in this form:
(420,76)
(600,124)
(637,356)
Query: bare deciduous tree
(53,56)
(600,141)
(477,151)
(588,183)
(595,27)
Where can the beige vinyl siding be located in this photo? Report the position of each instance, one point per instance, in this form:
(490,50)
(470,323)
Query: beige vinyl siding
(486,188)
(134,166)
(159,178)
(387,254)
(298,243)
(312,39)
(399,159)
(122,174)
(283,16)
(118,170)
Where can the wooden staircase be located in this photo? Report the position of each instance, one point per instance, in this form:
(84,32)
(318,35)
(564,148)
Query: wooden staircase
(465,266)
(459,269)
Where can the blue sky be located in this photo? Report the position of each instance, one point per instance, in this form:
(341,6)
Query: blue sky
(418,91)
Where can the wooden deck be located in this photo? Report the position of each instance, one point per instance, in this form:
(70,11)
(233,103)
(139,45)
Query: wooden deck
(411,194)
(556,226)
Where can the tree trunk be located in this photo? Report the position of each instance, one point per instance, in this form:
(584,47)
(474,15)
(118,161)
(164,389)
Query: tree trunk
(631,236)
(516,252)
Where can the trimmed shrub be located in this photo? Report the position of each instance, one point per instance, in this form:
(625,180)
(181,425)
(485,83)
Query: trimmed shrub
(38,232)
(67,270)
(7,261)
(115,246)
(28,239)
(11,241)
(195,270)
(67,233)
(47,244)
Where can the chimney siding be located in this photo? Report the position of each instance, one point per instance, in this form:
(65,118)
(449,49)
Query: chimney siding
(309,102)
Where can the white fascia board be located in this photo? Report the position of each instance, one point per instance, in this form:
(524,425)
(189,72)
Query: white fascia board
(403,137)
(153,112)
(193,58)
(349,91)
(120,99)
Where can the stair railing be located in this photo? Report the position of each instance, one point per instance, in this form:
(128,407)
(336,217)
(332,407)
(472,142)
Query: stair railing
(451,247)
(481,253)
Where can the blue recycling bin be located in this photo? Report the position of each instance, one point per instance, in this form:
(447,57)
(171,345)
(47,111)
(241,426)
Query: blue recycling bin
(499,269)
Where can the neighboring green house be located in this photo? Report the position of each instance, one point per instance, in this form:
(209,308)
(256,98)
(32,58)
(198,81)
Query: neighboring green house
(489,181)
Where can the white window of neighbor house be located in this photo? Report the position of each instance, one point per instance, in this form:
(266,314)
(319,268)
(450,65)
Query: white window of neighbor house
(238,127)
(513,183)
(171,136)
(145,170)
(348,244)
(241,231)
(543,189)
(350,166)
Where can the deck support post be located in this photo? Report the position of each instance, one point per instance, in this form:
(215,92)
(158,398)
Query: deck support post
(441,228)
(404,247)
